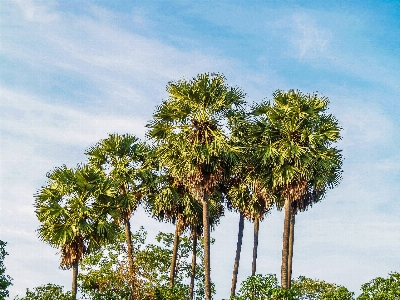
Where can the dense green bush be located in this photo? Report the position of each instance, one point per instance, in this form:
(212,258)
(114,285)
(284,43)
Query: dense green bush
(382,288)
(313,289)
(259,287)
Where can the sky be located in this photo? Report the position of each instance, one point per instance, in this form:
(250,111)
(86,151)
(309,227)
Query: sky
(74,71)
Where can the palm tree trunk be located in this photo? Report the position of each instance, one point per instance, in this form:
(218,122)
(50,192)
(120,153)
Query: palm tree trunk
(193,272)
(206,229)
(74,280)
(291,241)
(255,246)
(285,245)
(174,254)
(237,258)
(128,236)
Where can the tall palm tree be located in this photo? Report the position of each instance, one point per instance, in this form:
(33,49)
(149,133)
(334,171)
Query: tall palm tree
(327,174)
(248,191)
(170,201)
(294,139)
(65,209)
(122,158)
(191,131)
(167,203)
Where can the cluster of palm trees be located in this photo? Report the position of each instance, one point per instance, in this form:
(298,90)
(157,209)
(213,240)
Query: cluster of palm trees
(208,151)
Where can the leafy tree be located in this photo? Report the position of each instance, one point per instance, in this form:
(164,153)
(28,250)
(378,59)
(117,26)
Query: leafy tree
(68,219)
(5,280)
(259,287)
(310,289)
(382,288)
(122,158)
(46,292)
(294,135)
(267,287)
(177,292)
(104,274)
(190,130)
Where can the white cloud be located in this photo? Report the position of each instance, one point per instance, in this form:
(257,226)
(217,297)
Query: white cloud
(307,37)
(24,115)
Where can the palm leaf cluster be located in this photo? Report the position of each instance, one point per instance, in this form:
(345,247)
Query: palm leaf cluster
(188,129)
(67,211)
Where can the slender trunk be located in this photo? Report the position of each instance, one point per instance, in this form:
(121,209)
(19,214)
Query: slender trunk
(291,241)
(237,258)
(255,246)
(285,244)
(74,280)
(128,236)
(206,229)
(174,255)
(193,272)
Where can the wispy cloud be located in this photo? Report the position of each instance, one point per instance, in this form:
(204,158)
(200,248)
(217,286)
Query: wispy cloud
(25,116)
(309,40)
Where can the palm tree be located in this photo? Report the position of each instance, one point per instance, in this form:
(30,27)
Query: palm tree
(170,201)
(122,158)
(67,215)
(327,174)
(191,131)
(248,191)
(294,139)
(167,203)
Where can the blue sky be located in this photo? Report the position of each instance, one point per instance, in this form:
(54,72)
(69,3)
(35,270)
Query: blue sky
(74,71)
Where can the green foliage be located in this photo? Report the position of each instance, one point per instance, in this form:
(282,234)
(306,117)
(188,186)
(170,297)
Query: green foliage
(65,207)
(104,275)
(46,292)
(122,158)
(312,289)
(382,288)
(259,287)
(190,129)
(294,136)
(5,280)
(165,292)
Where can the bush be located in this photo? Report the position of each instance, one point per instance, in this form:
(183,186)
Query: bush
(259,287)
(382,288)
(312,289)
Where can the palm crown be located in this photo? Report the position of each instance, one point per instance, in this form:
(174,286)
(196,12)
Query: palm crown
(122,158)
(190,128)
(294,137)
(65,208)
